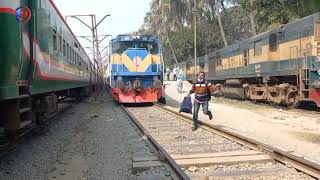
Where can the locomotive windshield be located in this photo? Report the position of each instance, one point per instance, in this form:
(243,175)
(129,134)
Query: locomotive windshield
(122,46)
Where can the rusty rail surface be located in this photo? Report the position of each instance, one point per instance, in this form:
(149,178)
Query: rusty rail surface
(169,159)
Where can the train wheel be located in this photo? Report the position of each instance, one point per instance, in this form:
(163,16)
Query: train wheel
(271,102)
(292,99)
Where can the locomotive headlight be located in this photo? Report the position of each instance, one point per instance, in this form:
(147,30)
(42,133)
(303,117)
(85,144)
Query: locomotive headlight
(119,82)
(155,78)
(156,82)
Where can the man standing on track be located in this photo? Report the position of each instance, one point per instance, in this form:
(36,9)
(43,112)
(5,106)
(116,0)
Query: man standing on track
(202,90)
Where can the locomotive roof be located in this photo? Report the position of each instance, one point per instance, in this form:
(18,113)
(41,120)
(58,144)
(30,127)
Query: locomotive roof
(130,37)
(303,23)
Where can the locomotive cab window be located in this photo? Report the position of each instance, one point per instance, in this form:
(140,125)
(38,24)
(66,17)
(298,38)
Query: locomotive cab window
(120,47)
(273,42)
(153,48)
(258,47)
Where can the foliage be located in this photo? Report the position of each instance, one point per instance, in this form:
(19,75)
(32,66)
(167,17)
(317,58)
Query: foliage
(173,21)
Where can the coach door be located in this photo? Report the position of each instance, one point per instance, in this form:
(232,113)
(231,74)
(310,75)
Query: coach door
(274,54)
(306,46)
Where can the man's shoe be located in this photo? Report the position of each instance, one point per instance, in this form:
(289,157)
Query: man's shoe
(210,115)
(194,128)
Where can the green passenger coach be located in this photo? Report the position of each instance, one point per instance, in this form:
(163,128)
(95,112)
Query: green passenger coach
(40,60)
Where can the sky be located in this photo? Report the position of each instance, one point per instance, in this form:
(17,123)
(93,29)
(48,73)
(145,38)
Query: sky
(126,16)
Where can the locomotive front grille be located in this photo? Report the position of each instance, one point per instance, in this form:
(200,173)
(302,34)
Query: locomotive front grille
(137,85)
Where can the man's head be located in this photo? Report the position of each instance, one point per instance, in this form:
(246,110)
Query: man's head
(201,75)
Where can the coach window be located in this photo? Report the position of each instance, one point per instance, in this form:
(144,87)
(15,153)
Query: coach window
(77,58)
(60,43)
(74,57)
(317,31)
(219,62)
(188,65)
(67,51)
(258,48)
(273,42)
(246,57)
(70,51)
(54,39)
(64,47)
(70,54)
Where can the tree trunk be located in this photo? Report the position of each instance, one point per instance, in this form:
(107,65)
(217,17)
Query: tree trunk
(223,7)
(253,24)
(174,55)
(220,23)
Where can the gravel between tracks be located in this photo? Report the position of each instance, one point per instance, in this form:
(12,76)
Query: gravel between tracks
(204,141)
(289,130)
(92,140)
(176,137)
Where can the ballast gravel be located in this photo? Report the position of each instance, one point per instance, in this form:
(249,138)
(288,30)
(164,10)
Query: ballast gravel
(93,140)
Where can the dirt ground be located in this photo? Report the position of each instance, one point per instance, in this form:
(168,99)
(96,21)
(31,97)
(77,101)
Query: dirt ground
(92,140)
(290,130)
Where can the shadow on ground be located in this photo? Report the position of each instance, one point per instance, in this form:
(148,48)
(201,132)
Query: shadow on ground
(172,102)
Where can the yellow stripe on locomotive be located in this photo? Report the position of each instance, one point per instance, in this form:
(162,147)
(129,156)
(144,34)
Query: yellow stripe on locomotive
(124,59)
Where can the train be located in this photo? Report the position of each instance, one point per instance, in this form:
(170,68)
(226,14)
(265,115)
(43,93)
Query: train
(280,66)
(134,70)
(40,61)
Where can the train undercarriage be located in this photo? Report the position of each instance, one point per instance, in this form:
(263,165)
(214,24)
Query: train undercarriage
(22,114)
(288,90)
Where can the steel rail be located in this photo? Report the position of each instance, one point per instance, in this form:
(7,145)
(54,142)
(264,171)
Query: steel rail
(170,160)
(298,163)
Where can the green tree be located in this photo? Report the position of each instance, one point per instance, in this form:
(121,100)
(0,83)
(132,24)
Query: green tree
(219,22)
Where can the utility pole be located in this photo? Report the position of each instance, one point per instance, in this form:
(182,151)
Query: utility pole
(95,45)
(195,37)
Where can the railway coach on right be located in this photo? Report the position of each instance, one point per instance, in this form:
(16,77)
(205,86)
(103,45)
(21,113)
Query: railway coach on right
(281,66)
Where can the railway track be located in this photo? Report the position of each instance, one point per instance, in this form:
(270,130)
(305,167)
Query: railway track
(214,153)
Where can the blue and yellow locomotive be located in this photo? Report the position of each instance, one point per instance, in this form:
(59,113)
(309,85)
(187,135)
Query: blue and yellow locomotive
(135,69)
